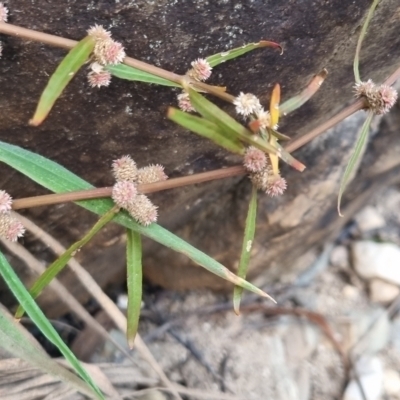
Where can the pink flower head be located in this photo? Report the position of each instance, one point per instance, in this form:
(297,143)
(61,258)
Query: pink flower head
(99,79)
(246,104)
(3,13)
(276,186)
(151,174)
(254,159)
(5,201)
(97,32)
(201,70)
(388,96)
(125,169)
(143,210)
(108,51)
(124,193)
(184,102)
(10,228)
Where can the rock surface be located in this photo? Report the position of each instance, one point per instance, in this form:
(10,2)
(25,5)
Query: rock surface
(88,128)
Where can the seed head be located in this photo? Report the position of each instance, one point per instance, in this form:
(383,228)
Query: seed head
(143,210)
(125,169)
(108,51)
(5,201)
(276,185)
(99,79)
(10,228)
(124,193)
(380,99)
(201,70)
(260,179)
(3,13)
(246,104)
(99,33)
(184,102)
(264,117)
(151,174)
(254,159)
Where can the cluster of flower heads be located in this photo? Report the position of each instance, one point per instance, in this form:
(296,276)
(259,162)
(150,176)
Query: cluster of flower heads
(106,52)
(380,98)
(261,174)
(10,228)
(3,18)
(125,193)
(248,104)
(200,71)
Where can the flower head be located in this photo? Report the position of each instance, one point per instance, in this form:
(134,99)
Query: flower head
(201,70)
(246,104)
(10,228)
(3,13)
(151,174)
(264,118)
(99,33)
(5,201)
(184,102)
(254,159)
(99,79)
(125,169)
(143,210)
(260,179)
(109,52)
(276,185)
(380,99)
(124,193)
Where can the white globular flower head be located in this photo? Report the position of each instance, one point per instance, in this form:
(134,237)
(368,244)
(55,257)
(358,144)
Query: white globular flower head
(99,79)
(10,228)
(3,13)
(246,104)
(98,32)
(184,102)
(151,174)
(254,159)
(276,185)
(264,118)
(125,169)
(261,178)
(143,210)
(5,201)
(124,193)
(380,99)
(201,70)
(108,52)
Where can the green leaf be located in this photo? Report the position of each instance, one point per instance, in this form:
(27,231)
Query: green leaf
(134,283)
(297,101)
(59,180)
(16,340)
(238,132)
(67,69)
(205,129)
(360,41)
(57,266)
(37,316)
(219,58)
(123,71)
(248,239)
(355,158)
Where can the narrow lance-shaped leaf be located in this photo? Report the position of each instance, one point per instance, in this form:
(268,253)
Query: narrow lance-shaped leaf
(59,180)
(43,324)
(355,158)
(248,239)
(274,113)
(360,41)
(16,340)
(213,113)
(297,101)
(219,58)
(67,69)
(129,73)
(57,266)
(134,283)
(205,129)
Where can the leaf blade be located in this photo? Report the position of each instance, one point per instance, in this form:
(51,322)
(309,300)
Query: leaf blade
(354,159)
(65,71)
(134,283)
